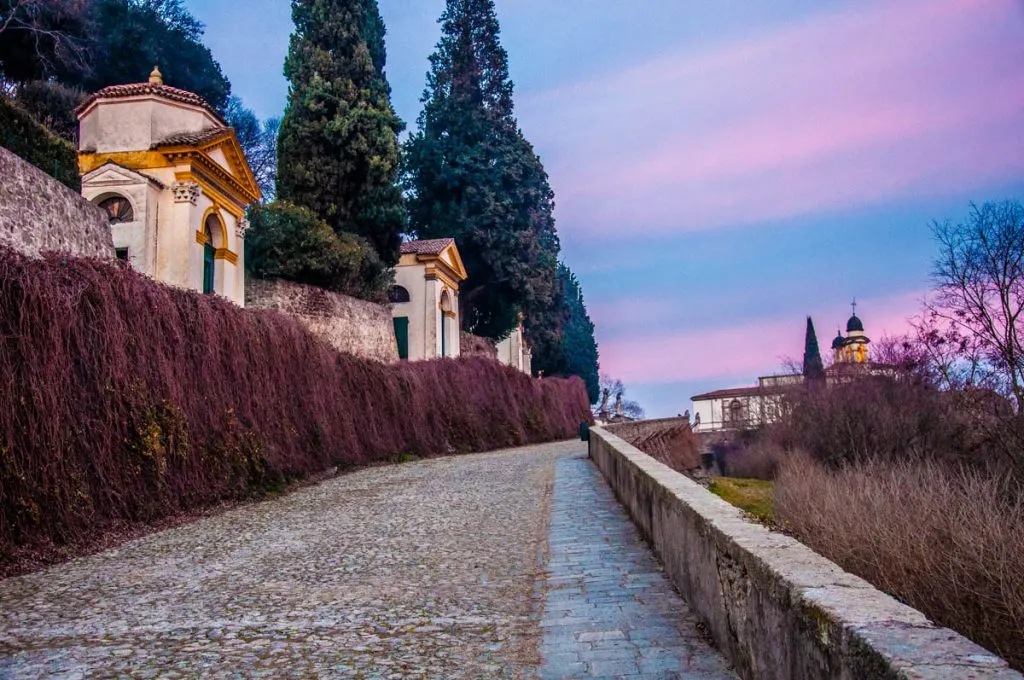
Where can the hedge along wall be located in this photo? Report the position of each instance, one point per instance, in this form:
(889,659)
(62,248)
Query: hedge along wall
(21,134)
(127,400)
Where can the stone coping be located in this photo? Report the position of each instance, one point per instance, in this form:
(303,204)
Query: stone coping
(675,420)
(774,607)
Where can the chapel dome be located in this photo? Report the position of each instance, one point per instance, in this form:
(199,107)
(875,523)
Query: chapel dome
(854,325)
(839,342)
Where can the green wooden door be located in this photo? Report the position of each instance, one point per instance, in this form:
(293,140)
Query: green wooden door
(208,263)
(444,335)
(402,336)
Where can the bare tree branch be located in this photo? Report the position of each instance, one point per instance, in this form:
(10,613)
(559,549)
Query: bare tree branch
(979,275)
(53,31)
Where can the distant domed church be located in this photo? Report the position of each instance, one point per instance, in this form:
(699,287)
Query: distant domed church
(853,349)
(741,408)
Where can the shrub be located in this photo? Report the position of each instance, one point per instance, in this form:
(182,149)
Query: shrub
(884,419)
(949,543)
(53,106)
(23,136)
(286,241)
(126,400)
(760,459)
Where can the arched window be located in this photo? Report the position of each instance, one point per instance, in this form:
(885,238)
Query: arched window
(399,295)
(119,209)
(735,412)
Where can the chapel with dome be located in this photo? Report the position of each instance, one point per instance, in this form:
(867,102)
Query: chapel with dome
(853,348)
(174,181)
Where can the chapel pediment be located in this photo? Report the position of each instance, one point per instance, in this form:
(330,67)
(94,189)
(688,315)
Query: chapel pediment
(112,174)
(218,147)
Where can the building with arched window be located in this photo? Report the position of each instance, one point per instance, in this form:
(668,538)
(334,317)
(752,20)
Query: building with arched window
(425,299)
(741,408)
(174,181)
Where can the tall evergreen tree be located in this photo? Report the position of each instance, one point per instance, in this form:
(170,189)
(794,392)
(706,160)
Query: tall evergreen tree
(814,368)
(338,151)
(472,175)
(561,337)
(579,347)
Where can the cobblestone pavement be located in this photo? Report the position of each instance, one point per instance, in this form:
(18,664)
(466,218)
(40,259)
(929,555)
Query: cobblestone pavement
(425,569)
(431,569)
(610,611)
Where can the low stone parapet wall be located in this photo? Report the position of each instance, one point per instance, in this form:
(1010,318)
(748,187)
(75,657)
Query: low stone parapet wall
(774,607)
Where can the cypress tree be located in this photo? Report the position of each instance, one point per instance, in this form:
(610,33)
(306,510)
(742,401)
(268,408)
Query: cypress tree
(472,175)
(814,369)
(578,343)
(563,342)
(338,151)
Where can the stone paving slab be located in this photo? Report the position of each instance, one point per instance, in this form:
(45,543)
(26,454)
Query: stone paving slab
(609,609)
(424,570)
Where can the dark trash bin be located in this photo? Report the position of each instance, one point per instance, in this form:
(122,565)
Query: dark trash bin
(584,431)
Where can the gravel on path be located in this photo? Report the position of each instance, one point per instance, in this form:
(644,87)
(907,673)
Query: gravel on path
(513,564)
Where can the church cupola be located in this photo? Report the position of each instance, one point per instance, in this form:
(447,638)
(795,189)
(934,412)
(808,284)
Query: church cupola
(837,346)
(855,346)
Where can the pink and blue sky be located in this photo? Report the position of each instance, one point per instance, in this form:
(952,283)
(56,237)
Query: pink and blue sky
(724,168)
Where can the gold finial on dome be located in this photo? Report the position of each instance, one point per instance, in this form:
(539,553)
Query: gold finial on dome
(156,77)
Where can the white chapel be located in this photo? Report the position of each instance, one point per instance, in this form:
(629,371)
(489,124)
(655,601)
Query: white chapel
(425,299)
(173,179)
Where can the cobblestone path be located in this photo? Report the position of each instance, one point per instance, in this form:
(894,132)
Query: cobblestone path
(610,611)
(430,569)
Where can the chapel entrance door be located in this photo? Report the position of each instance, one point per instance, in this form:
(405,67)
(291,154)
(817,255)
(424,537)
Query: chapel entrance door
(402,336)
(208,263)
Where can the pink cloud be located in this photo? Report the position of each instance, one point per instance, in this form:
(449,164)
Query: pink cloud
(849,109)
(755,348)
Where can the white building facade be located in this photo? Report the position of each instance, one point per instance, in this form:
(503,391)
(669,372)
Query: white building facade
(174,181)
(425,299)
(513,351)
(742,408)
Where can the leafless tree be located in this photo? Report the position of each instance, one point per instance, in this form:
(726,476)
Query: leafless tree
(617,391)
(979,278)
(50,33)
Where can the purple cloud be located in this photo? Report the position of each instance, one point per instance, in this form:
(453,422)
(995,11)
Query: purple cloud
(755,348)
(838,111)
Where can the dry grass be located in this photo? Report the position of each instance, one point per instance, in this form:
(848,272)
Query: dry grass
(760,459)
(948,542)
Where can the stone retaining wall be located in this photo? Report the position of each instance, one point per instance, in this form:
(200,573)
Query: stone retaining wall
(354,326)
(39,214)
(774,607)
(474,346)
